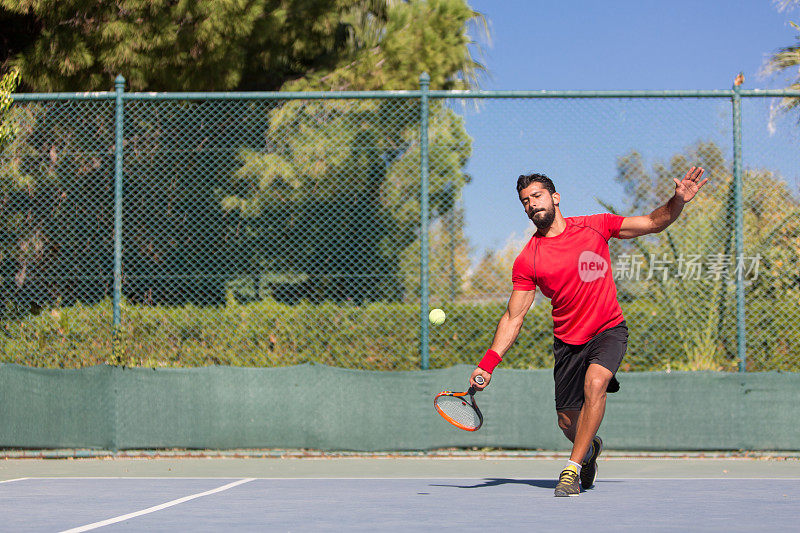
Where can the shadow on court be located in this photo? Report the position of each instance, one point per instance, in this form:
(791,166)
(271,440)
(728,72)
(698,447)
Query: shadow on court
(494,482)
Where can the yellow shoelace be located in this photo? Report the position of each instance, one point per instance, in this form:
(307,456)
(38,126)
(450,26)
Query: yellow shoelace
(568,476)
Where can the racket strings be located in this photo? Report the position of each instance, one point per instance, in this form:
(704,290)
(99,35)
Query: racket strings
(459,410)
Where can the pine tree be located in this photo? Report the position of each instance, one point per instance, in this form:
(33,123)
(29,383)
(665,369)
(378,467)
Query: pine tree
(230,181)
(163,45)
(360,160)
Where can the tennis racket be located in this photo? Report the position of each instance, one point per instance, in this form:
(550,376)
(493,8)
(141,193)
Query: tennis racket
(454,407)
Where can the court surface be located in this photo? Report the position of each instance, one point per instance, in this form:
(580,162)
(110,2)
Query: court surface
(395,494)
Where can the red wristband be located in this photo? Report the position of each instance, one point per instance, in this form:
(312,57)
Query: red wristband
(490,361)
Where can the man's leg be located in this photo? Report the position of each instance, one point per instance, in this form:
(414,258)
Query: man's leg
(568,422)
(569,372)
(591,414)
(607,348)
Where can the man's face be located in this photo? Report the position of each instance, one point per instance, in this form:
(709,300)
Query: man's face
(539,205)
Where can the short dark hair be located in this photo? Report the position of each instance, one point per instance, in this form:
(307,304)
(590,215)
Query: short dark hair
(526,179)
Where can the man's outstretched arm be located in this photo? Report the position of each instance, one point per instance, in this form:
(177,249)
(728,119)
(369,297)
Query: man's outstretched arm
(665,215)
(507,329)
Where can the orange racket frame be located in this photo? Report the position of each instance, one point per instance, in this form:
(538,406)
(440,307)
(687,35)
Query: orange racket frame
(462,395)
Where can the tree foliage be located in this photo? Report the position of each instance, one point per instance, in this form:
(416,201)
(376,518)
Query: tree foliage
(786,59)
(56,213)
(176,45)
(336,182)
(167,45)
(8,84)
(307,199)
(701,309)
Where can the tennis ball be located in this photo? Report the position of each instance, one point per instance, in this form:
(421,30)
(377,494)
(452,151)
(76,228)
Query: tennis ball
(436,316)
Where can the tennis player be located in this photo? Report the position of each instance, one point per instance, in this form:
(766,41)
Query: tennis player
(568,260)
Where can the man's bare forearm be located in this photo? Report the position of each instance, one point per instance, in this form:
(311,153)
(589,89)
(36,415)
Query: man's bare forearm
(666,214)
(506,334)
(510,323)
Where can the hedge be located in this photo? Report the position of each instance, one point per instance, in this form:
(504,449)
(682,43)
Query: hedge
(377,336)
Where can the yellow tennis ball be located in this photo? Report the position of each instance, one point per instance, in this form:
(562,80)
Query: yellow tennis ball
(436,316)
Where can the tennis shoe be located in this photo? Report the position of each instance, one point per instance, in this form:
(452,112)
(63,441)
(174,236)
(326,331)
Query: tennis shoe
(589,466)
(568,482)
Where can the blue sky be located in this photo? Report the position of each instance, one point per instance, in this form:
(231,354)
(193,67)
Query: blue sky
(630,44)
(585,45)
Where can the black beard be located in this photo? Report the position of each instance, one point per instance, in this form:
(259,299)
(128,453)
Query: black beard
(545,221)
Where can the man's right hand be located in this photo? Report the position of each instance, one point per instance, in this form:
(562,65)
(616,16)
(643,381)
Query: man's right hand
(487,377)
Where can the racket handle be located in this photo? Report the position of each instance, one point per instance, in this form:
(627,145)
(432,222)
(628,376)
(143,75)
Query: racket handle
(480,381)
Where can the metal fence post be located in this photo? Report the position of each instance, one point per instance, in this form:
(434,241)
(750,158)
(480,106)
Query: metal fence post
(741,331)
(424,85)
(119,116)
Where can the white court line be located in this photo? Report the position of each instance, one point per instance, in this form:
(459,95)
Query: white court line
(155,508)
(12,480)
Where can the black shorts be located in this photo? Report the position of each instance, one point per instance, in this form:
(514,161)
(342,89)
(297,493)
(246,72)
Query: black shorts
(571,361)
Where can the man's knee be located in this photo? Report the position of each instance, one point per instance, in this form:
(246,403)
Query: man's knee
(595,388)
(567,420)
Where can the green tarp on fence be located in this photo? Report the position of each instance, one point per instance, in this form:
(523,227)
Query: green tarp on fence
(329,408)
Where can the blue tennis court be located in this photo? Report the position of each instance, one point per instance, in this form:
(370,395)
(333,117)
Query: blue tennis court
(399,502)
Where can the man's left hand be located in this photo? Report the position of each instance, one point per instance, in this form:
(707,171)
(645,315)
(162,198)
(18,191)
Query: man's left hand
(686,188)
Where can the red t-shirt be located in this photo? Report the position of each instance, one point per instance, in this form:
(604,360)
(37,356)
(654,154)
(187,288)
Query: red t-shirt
(573,269)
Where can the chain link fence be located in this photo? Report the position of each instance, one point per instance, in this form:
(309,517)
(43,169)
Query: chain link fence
(619,154)
(57,217)
(276,229)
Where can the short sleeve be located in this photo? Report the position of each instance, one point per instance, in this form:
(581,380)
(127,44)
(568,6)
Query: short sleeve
(607,224)
(522,276)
